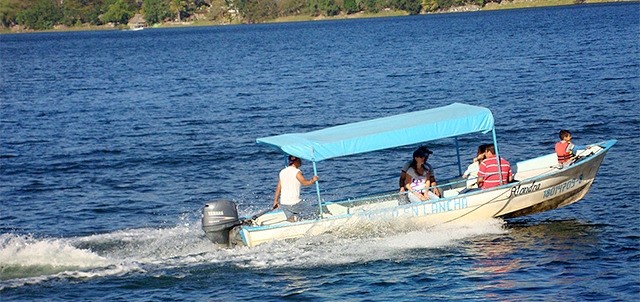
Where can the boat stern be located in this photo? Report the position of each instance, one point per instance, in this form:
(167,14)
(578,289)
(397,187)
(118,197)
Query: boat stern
(218,218)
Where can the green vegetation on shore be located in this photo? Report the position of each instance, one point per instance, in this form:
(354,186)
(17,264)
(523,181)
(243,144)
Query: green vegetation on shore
(37,15)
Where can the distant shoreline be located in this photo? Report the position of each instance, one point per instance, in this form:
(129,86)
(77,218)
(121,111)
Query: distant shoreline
(515,4)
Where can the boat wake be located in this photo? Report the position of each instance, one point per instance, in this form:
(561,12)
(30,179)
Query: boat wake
(26,260)
(337,249)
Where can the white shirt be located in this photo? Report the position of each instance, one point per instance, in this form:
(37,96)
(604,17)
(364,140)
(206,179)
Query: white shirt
(471,174)
(289,186)
(426,166)
(418,182)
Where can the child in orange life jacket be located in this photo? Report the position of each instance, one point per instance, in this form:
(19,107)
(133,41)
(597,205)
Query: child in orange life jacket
(565,149)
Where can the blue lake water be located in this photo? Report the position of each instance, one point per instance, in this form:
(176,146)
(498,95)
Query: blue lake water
(111,142)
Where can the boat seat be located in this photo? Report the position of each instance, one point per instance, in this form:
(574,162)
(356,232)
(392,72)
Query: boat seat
(336,209)
(270,218)
(375,206)
(451,193)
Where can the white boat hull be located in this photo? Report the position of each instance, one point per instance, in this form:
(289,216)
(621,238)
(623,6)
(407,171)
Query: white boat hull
(540,186)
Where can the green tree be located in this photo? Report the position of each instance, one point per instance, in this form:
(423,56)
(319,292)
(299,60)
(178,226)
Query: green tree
(154,11)
(255,11)
(119,12)
(350,6)
(72,12)
(85,11)
(329,7)
(44,14)
(323,7)
(178,7)
(291,7)
(372,6)
(90,11)
(217,10)
(411,6)
(9,11)
(430,5)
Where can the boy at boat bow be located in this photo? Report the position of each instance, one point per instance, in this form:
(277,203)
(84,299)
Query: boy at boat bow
(565,149)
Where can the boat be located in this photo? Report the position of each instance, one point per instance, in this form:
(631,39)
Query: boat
(539,184)
(137,23)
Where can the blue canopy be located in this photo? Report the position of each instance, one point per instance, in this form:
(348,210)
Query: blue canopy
(383,133)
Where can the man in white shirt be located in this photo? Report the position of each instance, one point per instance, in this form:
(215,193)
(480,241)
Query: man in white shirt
(288,188)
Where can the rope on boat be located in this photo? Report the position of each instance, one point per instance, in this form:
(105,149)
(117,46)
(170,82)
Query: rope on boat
(478,207)
(506,191)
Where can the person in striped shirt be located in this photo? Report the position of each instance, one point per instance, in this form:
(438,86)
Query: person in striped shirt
(488,175)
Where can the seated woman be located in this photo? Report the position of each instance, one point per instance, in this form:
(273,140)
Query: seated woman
(417,180)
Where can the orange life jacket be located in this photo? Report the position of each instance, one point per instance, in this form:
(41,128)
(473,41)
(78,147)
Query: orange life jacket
(563,151)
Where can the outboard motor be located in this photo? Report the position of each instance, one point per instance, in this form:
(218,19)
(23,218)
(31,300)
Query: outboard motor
(218,218)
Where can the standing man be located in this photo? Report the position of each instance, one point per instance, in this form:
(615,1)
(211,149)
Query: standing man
(403,174)
(288,189)
(489,175)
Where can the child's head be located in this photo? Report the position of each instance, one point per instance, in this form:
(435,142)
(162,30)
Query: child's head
(481,149)
(480,154)
(565,135)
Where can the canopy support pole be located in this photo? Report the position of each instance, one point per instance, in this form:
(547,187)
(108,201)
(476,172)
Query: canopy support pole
(495,145)
(458,155)
(315,172)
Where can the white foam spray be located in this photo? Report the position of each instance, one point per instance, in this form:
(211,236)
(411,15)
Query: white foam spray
(29,260)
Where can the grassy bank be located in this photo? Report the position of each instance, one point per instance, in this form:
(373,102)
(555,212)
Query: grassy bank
(385,13)
(537,3)
(515,4)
